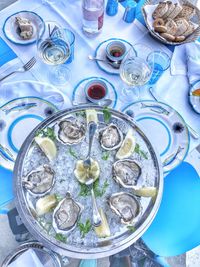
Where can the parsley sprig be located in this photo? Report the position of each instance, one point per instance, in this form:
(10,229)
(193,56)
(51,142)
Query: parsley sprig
(106,115)
(47,132)
(140,152)
(99,192)
(84,228)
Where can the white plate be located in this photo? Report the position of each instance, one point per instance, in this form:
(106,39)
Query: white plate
(17,119)
(165,128)
(79,97)
(10,28)
(195,100)
(101,53)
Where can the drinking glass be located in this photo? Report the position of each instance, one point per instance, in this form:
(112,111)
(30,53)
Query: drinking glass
(54,49)
(71,39)
(160,62)
(135,72)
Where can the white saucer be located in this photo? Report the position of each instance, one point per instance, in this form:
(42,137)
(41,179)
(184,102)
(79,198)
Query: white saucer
(10,28)
(101,53)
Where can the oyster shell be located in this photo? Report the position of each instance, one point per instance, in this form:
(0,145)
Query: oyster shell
(111,137)
(70,132)
(66,214)
(126,206)
(40,181)
(126,172)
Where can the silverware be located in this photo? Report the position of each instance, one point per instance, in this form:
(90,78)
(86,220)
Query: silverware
(92,130)
(172,157)
(24,68)
(193,133)
(104,103)
(96,218)
(114,64)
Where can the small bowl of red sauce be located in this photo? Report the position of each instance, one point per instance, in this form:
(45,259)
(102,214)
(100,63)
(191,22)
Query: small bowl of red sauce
(96,90)
(115,51)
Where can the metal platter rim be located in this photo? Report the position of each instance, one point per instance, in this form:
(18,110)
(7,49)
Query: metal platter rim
(70,250)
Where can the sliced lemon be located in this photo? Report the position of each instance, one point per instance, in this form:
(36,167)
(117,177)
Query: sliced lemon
(45,204)
(127,147)
(103,230)
(47,146)
(148,191)
(91,115)
(82,173)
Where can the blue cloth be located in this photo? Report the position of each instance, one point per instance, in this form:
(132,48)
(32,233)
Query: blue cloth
(6,53)
(6,193)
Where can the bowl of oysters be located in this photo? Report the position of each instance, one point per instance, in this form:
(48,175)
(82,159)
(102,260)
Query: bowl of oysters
(53,194)
(172,22)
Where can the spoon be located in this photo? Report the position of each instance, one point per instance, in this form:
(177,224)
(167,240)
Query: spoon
(104,103)
(92,130)
(96,218)
(114,64)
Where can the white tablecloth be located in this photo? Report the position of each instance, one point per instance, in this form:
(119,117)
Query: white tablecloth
(171,89)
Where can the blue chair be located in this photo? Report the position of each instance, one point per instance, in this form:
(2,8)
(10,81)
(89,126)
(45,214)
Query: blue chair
(176,228)
(88,263)
(6,190)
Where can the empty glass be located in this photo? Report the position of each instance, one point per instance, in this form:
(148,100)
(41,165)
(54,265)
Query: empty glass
(54,49)
(135,72)
(160,62)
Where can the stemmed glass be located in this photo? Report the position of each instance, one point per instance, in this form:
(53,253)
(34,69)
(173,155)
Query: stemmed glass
(54,49)
(135,71)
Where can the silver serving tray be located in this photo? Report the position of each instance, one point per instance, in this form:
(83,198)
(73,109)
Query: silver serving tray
(104,247)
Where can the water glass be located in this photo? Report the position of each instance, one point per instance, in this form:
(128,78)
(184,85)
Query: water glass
(160,62)
(130,12)
(71,39)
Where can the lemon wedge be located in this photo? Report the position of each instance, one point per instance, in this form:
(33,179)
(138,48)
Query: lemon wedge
(45,204)
(47,146)
(91,115)
(82,173)
(127,147)
(103,230)
(148,191)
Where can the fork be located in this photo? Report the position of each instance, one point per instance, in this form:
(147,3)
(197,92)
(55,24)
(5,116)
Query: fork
(24,68)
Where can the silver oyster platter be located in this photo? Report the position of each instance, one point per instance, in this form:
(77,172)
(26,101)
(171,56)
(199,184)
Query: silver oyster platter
(53,200)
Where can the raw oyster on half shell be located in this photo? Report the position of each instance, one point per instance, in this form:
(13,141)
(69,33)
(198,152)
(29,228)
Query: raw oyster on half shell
(40,181)
(126,172)
(66,214)
(111,137)
(126,206)
(70,132)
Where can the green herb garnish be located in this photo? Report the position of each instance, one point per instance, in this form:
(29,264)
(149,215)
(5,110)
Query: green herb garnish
(48,132)
(85,190)
(131,228)
(140,152)
(84,228)
(61,238)
(105,155)
(99,192)
(58,197)
(72,153)
(81,113)
(106,115)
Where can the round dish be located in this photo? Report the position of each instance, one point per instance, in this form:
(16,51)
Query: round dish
(99,83)
(195,100)
(79,96)
(10,28)
(101,53)
(165,128)
(17,119)
(74,244)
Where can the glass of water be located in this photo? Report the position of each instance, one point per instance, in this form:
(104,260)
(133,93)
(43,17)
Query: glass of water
(54,49)
(135,72)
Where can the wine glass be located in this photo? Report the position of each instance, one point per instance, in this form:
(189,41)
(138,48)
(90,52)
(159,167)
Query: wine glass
(135,71)
(54,49)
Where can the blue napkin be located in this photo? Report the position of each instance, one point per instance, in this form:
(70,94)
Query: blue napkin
(6,190)
(6,53)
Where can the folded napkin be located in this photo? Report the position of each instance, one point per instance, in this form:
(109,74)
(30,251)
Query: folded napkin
(28,258)
(186,61)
